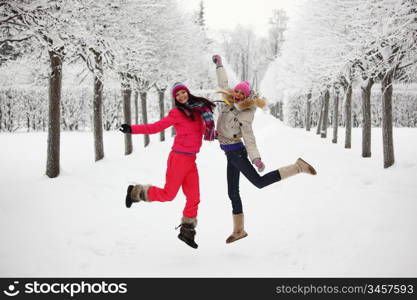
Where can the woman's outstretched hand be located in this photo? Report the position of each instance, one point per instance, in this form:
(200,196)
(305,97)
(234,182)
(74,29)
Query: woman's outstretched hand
(259,164)
(217,60)
(125,128)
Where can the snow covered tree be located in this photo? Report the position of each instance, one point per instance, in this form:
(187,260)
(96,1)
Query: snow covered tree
(96,21)
(161,97)
(326,99)
(347,83)
(351,41)
(396,41)
(320,121)
(243,51)
(49,24)
(278,25)
(308,112)
(160,46)
(249,55)
(134,56)
(200,19)
(335,112)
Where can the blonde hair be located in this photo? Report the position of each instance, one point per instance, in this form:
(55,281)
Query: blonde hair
(227,94)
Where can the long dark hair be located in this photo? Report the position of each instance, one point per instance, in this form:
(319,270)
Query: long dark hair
(192,100)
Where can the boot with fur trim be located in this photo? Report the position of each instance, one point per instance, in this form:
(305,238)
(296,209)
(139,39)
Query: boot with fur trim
(129,200)
(136,193)
(238,229)
(187,231)
(300,166)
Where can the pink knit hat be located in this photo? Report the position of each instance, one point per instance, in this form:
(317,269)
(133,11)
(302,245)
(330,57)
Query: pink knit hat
(177,87)
(244,87)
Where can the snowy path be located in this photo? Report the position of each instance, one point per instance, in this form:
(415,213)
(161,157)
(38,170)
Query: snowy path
(353,219)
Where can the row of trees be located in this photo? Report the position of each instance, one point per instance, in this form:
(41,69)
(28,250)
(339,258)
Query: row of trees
(249,54)
(26,109)
(336,45)
(404,109)
(148,44)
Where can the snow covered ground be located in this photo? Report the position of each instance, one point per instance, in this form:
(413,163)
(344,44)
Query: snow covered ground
(353,219)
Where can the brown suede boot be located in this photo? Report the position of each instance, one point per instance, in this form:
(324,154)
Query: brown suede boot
(238,229)
(300,166)
(187,231)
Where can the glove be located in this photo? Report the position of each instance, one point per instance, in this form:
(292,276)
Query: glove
(259,164)
(217,60)
(125,128)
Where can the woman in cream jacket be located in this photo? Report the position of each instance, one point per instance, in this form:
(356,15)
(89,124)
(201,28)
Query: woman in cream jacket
(234,124)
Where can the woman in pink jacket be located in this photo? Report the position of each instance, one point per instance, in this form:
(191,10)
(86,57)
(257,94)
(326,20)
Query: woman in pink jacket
(192,119)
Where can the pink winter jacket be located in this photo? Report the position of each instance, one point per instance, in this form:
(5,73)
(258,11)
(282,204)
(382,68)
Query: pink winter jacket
(189,133)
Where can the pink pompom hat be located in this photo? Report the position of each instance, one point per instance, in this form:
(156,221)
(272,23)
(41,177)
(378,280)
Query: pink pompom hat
(244,86)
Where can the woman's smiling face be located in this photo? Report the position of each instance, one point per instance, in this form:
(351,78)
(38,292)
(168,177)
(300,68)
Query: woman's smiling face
(181,96)
(238,95)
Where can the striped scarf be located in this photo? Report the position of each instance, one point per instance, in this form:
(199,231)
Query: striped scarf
(205,110)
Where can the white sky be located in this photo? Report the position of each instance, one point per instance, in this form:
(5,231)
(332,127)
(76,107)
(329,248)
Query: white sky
(226,14)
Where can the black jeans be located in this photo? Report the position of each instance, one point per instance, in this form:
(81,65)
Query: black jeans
(237,161)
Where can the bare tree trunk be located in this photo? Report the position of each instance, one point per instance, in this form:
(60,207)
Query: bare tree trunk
(281,112)
(54,130)
(144,116)
(325,121)
(308,113)
(28,122)
(273,110)
(335,116)
(173,132)
(366,114)
(98,109)
(161,94)
(1,116)
(135,99)
(319,124)
(243,68)
(348,117)
(247,64)
(387,137)
(276,109)
(126,94)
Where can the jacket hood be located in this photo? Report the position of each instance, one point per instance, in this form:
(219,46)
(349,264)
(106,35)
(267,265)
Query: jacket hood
(245,104)
(251,102)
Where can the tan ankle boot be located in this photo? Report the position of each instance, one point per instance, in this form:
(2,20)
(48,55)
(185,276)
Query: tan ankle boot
(300,166)
(238,229)
(305,167)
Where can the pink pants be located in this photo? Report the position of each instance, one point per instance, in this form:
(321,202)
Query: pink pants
(181,171)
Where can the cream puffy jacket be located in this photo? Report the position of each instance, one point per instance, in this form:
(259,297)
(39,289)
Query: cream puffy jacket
(235,119)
